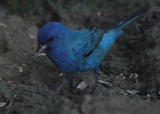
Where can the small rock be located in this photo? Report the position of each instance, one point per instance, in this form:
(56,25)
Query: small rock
(131,91)
(123,77)
(20,69)
(2,104)
(82,85)
(148,95)
(99,13)
(24,64)
(9,81)
(61,74)
(3,25)
(104,82)
(32,36)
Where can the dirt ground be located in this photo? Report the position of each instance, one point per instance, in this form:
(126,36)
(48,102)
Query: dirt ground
(131,68)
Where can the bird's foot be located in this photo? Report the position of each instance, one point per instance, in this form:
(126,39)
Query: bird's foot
(94,88)
(97,71)
(60,87)
(68,80)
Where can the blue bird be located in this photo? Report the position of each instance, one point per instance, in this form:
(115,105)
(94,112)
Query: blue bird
(77,50)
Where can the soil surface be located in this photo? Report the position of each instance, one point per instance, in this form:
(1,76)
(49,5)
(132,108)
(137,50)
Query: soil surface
(130,78)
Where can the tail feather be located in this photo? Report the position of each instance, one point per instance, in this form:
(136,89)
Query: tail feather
(121,26)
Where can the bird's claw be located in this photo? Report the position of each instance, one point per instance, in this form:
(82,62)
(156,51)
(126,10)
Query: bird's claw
(60,87)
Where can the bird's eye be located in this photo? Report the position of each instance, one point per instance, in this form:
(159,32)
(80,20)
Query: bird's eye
(49,40)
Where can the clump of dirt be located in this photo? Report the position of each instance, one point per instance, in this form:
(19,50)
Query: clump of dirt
(131,68)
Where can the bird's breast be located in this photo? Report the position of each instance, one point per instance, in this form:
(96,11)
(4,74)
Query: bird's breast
(64,59)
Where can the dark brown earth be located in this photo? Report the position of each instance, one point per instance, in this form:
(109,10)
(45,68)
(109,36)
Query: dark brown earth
(131,67)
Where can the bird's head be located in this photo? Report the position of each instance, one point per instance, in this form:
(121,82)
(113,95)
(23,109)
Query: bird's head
(47,34)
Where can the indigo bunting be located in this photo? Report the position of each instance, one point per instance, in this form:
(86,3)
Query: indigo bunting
(77,50)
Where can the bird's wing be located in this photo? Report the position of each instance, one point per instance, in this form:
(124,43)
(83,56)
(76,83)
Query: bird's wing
(86,41)
(96,35)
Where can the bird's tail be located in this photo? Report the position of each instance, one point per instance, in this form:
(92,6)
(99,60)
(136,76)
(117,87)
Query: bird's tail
(122,25)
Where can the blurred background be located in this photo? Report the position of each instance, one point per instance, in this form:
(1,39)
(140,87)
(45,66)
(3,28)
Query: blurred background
(87,11)
(130,82)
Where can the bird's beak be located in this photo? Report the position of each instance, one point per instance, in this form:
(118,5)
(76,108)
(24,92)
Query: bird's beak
(41,49)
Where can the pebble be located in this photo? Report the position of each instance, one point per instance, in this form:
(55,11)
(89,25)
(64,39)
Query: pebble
(20,69)
(99,13)
(132,91)
(61,74)
(24,64)
(32,36)
(148,95)
(9,81)
(3,25)
(82,85)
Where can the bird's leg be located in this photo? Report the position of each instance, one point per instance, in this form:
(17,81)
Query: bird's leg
(60,87)
(68,79)
(95,85)
(97,71)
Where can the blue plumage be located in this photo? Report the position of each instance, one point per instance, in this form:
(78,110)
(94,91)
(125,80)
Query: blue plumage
(78,50)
